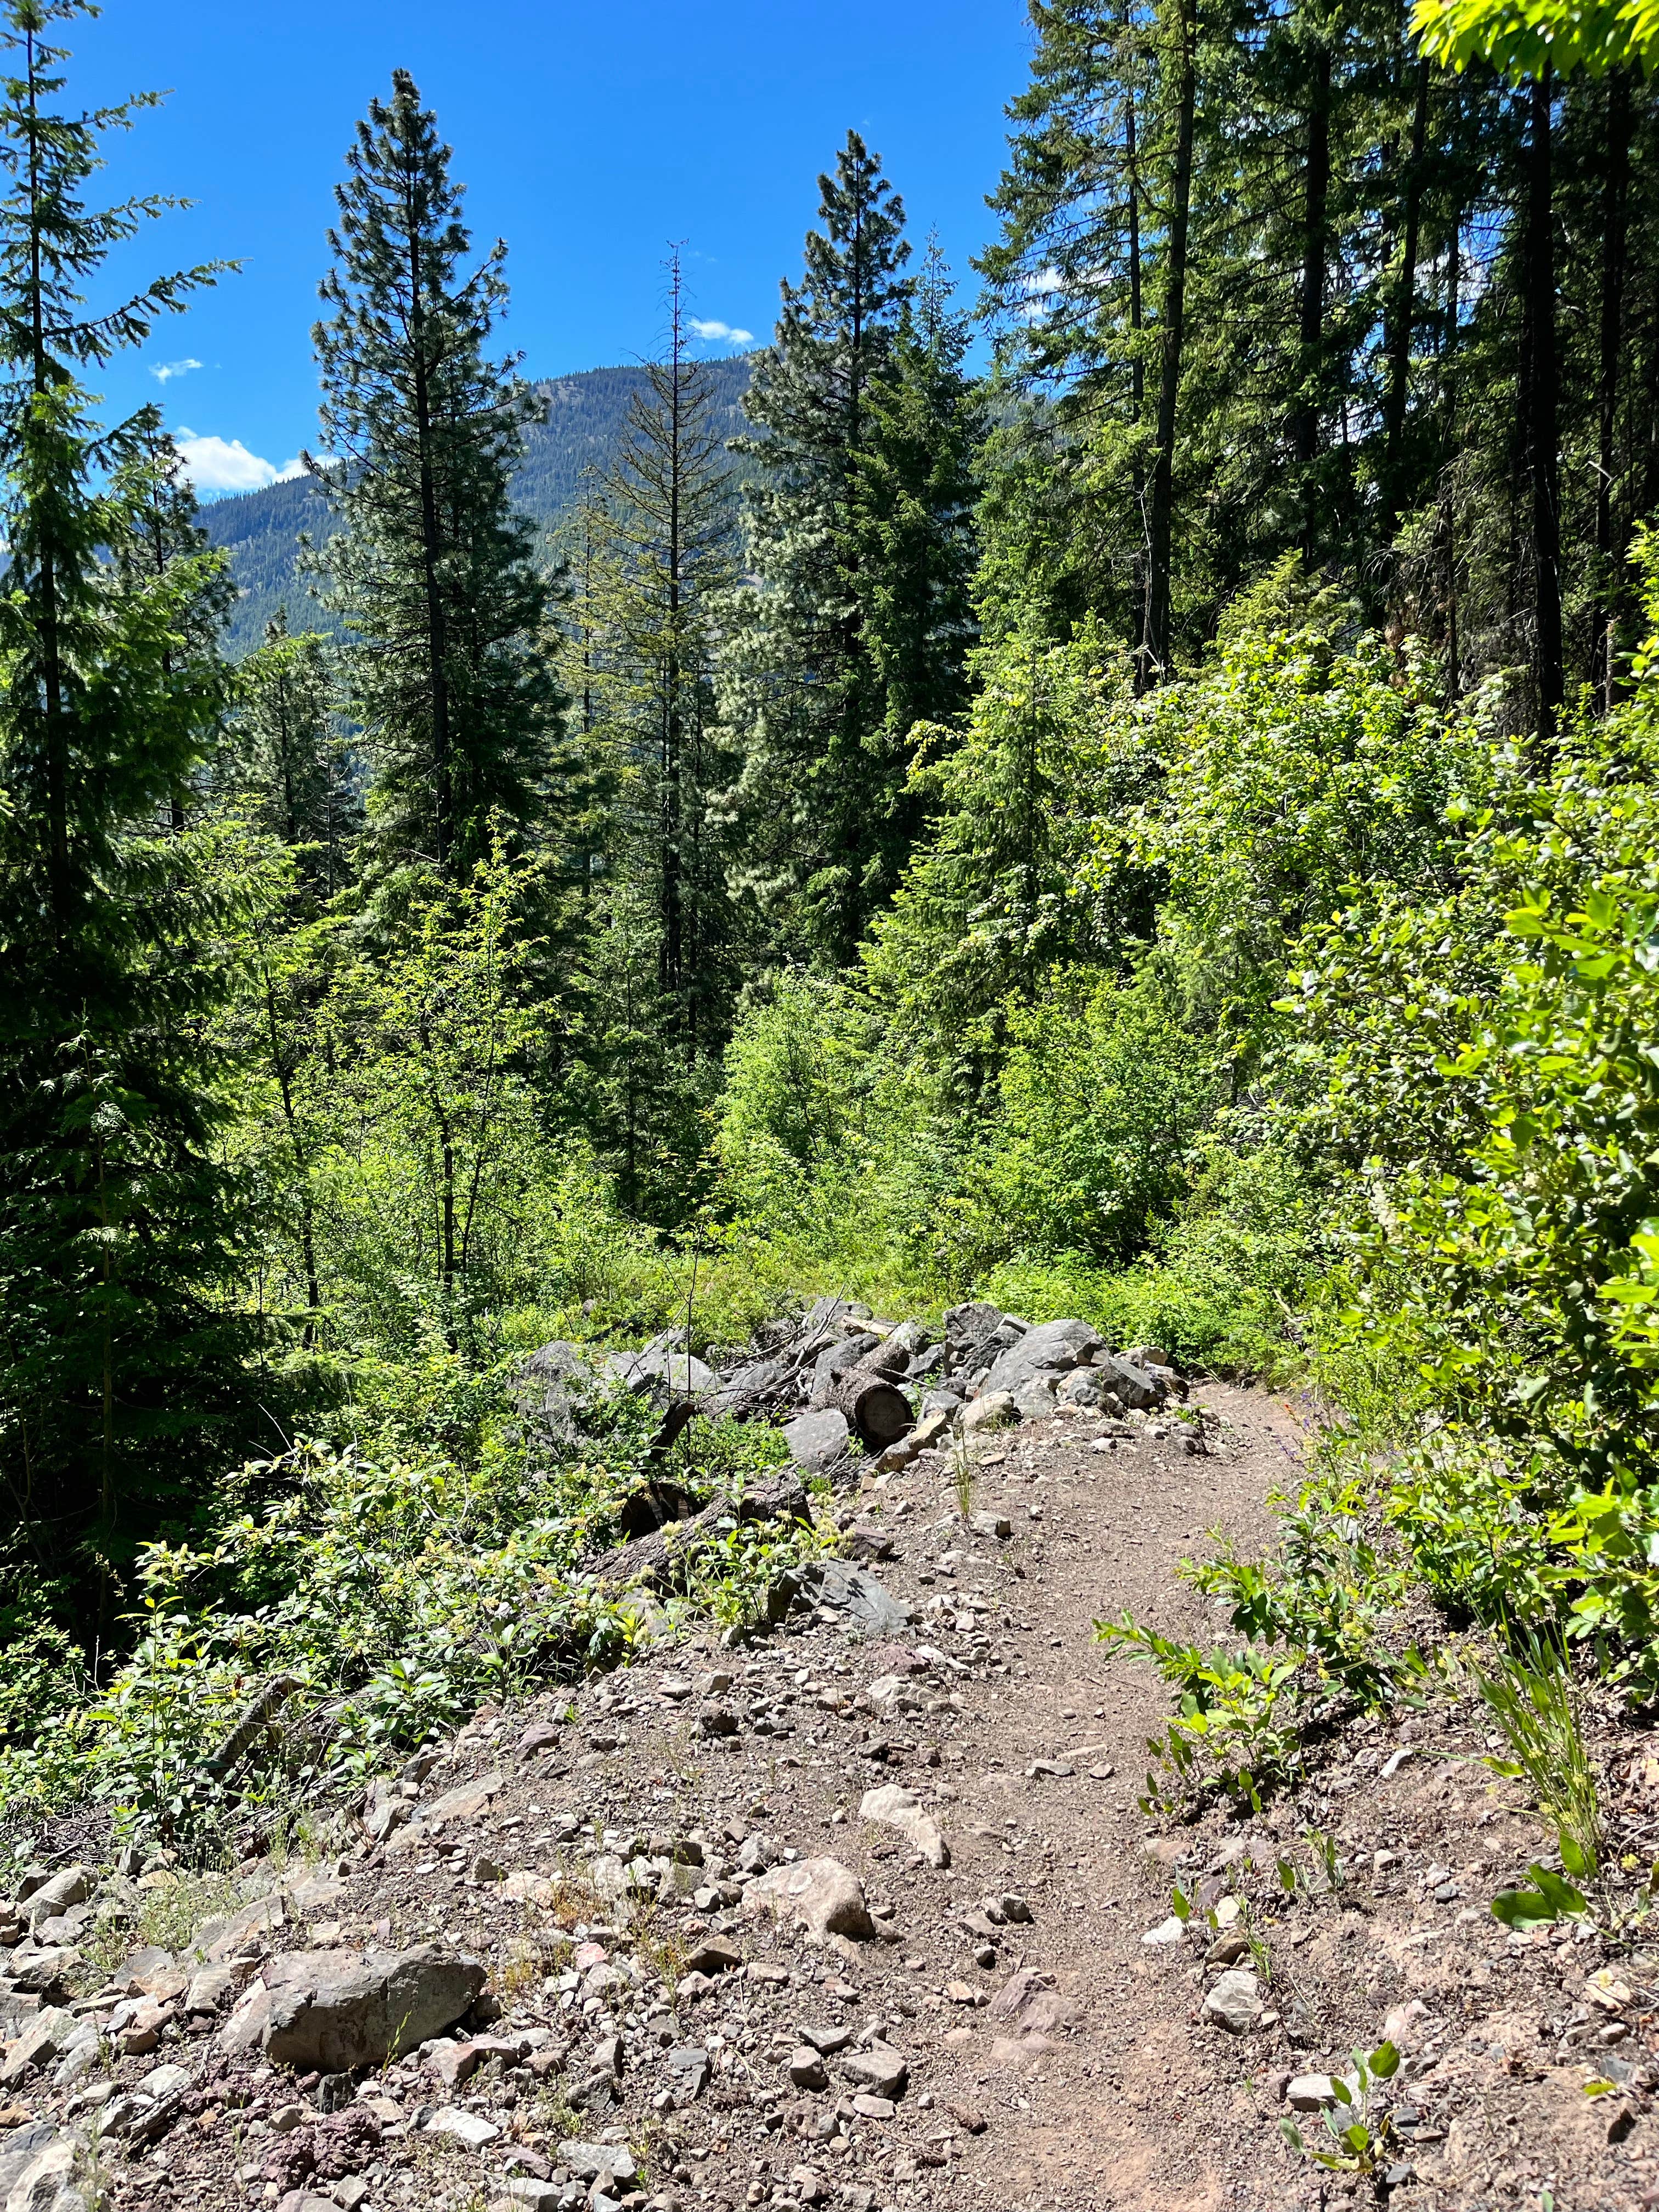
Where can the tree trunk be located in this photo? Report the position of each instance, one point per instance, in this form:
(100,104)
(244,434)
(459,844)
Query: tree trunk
(431,549)
(1404,316)
(1615,223)
(1137,369)
(1304,423)
(879,1411)
(1156,659)
(1539,412)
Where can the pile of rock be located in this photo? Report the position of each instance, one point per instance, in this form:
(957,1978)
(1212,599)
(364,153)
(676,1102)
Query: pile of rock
(838,1372)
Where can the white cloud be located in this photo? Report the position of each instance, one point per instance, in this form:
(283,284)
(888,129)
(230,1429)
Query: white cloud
(724,331)
(165,371)
(225,465)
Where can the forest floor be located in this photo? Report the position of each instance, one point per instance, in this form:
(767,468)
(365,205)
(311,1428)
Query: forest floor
(711,2055)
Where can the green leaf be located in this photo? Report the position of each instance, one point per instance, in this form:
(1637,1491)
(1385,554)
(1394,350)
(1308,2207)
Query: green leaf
(1523,1909)
(1385,2061)
(1560,1892)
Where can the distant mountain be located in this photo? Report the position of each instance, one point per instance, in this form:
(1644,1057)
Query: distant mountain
(586,415)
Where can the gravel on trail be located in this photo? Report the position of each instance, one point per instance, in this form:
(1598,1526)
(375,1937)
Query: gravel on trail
(873,1920)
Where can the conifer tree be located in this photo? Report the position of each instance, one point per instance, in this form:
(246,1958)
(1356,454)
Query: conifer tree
(444,608)
(656,564)
(119,1350)
(295,757)
(822,775)
(915,512)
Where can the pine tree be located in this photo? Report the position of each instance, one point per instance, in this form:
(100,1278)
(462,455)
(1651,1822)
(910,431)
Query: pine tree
(915,512)
(293,753)
(432,572)
(656,566)
(823,778)
(120,1347)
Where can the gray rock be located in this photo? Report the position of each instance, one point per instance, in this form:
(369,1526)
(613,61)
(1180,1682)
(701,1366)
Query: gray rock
(1055,1348)
(882,2069)
(897,1808)
(72,1887)
(1083,1386)
(997,1525)
(1035,1399)
(1235,2002)
(991,1409)
(660,1373)
(588,2160)
(46,2184)
(559,1381)
(470,2128)
(1309,2093)
(1134,1385)
(336,2010)
(867,1606)
(687,2069)
(45,2040)
(19,2151)
(817,1440)
(820,1895)
(807,2070)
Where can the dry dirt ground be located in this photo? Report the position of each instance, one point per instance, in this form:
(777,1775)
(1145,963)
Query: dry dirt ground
(1060,2061)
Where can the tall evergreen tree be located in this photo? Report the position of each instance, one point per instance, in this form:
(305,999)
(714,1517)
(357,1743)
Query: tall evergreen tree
(820,795)
(294,754)
(656,566)
(915,510)
(119,1348)
(432,572)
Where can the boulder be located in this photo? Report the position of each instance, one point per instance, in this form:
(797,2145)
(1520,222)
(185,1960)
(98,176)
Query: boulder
(991,1409)
(556,1382)
(816,1440)
(894,1807)
(820,1895)
(336,2010)
(1054,1348)
(46,2183)
(867,1608)
(1134,1386)
(45,2038)
(659,1372)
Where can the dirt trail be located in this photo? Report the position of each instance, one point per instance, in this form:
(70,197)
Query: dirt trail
(1001,2035)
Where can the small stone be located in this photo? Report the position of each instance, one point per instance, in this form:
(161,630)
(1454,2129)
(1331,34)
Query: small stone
(897,1808)
(995,1525)
(287,2118)
(884,2070)
(964,1992)
(807,2071)
(486,1870)
(1309,2093)
(1171,1930)
(1234,2002)
(588,2160)
(714,1954)
(470,2128)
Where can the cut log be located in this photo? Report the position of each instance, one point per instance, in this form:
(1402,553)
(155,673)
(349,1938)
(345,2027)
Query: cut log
(880,1413)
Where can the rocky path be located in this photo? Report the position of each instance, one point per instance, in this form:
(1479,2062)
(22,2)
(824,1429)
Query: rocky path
(836,1918)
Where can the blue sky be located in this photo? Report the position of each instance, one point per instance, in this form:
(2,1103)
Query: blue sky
(590,136)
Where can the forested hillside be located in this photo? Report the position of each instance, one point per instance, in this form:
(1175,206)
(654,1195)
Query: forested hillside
(579,431)
(1162,834)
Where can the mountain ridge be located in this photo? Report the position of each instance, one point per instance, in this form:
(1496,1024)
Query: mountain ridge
(587,417)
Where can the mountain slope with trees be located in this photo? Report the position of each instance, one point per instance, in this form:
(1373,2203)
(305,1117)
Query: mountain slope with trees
(575,438)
